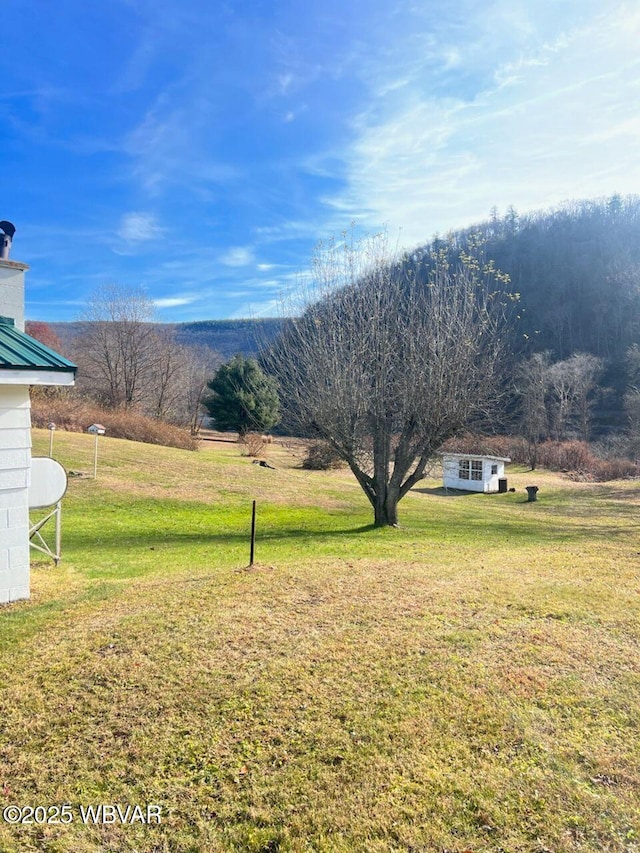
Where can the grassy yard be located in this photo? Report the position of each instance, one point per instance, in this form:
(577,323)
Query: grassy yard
(469,682)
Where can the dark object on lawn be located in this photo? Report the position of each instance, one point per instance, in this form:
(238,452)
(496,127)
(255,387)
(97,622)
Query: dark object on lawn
(263,464)
(532,492)
(512,489)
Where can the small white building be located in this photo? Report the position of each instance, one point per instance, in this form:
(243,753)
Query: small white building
(24,361)
(472,472)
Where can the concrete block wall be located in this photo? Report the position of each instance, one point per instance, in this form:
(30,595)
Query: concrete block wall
(15,468)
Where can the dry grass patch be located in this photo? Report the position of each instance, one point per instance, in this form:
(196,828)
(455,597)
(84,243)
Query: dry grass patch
(75,414)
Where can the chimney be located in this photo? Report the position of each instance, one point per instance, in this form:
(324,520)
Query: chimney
(11,278)
(7,230)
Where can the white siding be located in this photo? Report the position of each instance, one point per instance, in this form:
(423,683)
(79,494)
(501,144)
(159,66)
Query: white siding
(15,444)
(12,292)
(15,465)
(488,483)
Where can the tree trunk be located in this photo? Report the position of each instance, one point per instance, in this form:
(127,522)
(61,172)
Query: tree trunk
(385,507)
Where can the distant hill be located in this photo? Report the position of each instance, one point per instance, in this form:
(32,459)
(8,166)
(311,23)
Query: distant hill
(227,337)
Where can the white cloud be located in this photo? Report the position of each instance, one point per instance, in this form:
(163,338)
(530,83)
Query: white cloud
(284,82)
(170,145)
(174,302)
(237,256)
(556,122)
(138,227)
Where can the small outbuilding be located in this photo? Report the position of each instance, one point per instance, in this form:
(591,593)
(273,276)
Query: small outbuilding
(472,472)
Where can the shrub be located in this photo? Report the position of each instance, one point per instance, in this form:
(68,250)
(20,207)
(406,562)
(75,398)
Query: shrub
(575,458)
(514,447)
(321,457)
(254,444)
(75,414)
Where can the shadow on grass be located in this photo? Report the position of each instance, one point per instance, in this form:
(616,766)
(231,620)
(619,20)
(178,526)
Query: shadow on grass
(441,492)
(533,529)
(148,538)
(311,531)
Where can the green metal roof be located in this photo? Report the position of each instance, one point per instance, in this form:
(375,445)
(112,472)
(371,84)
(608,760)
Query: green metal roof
(19,351)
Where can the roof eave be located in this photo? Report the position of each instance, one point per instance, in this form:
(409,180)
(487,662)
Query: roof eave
(33,376)
(475,456)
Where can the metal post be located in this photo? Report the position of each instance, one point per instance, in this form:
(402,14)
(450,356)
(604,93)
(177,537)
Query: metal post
(253,533)
(95,458)
(50,443)
(58,533)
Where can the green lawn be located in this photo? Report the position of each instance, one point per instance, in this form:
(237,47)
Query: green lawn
(469,682)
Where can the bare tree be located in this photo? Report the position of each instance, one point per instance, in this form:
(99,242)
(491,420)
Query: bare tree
(572,383)
(385,367)
(532,386)
(198,365)
(632,400)
(165,390)
(586,370)
(116,349)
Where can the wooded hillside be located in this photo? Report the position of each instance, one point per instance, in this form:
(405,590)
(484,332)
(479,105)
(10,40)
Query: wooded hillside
(577,270)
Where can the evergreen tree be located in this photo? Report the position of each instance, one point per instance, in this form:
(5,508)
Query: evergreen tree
(244,398)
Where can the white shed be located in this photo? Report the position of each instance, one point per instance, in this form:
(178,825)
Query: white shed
(471,472)
(24,361)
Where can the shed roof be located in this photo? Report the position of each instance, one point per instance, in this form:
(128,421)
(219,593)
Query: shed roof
(453,454)
(19,351)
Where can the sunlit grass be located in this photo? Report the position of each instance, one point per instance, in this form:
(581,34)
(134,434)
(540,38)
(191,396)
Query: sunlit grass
(468,682)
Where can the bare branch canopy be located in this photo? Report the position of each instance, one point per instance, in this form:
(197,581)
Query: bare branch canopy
(389,362)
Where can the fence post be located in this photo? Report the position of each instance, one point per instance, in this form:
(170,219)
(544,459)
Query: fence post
(253,533)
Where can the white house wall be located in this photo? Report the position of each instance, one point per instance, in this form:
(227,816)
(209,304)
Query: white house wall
(15,467)
(12,292)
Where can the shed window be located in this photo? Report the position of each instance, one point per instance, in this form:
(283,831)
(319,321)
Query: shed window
(470,469)
(494,470)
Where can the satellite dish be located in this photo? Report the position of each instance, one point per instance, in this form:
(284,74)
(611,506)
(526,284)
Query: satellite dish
(8,227)
(48,482)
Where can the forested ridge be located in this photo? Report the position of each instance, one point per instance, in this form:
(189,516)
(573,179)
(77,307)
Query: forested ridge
(576,268)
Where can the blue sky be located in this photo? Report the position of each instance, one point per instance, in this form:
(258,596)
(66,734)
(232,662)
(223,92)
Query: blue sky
(200,149)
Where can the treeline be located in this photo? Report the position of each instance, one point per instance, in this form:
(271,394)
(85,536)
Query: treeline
(229,337)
